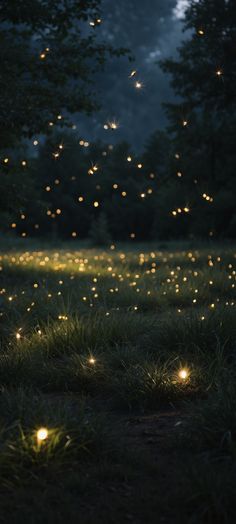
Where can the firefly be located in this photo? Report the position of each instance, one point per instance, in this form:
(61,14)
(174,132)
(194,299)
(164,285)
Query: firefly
(183,374)
(138,85)
(42,434)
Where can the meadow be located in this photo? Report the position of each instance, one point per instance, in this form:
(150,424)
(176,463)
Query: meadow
(118,391)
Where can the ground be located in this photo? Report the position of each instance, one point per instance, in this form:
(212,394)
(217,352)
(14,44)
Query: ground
(125,358)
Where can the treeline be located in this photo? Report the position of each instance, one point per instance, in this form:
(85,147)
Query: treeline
(180,187)
(183,185)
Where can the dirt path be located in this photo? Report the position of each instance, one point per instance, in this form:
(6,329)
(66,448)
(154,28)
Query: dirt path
(149,490)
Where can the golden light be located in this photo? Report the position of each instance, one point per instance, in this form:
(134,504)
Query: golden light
(95,204)
(18,336)
(200,32)
(219,72)
(42,434)
(133,73)
(92,361)
(129,159)
(138,85)
(183,374)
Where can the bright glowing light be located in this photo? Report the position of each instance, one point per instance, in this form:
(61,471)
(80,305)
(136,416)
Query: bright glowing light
(133,73)
(113,125)
(92,361)
(138,84)
(18,336)
(42,434)
(183,374)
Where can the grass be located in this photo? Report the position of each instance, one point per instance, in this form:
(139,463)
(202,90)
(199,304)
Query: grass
(92,343)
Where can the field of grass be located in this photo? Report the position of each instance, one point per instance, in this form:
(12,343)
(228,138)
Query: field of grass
(118,390)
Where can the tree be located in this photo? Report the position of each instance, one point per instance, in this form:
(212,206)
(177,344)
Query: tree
(99,232)
(203,120)
(204,75)
(49,52)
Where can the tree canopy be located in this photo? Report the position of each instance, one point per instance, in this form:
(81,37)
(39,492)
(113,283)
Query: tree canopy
(49,52)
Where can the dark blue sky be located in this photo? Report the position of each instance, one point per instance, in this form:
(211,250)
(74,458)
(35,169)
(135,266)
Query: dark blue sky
(152,30)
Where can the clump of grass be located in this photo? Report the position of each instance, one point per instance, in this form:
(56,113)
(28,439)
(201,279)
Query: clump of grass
(74,434)
(91,332)
(150,385)
(184,333)
(211,424)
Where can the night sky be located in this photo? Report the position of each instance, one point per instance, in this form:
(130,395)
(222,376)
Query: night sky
(152,30)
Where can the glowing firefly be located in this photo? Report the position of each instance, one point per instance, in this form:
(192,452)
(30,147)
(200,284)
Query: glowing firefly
(183,374)
(138,85)
(42,434)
